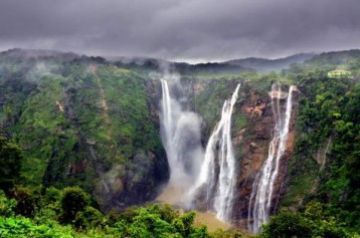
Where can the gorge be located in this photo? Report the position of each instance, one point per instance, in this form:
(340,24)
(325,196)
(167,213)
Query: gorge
(239,144)
(180,119)
(208,176)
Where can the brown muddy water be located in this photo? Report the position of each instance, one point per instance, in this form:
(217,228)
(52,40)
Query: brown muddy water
(174,195)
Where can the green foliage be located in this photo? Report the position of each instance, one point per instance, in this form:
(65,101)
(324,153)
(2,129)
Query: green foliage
(7,206)
(80,118)
(52,195)
(183,224)
(73,201)
(231,233)
(49,205)
(71,118)
(315,221)
(287,225)
(89,218)
(324,224)
(26,201)
(150,221)
(146,224)
(10,160)
(158,221)
(327,151)
(19,227)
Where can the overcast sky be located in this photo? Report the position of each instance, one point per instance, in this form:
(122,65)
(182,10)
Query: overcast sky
(181,29)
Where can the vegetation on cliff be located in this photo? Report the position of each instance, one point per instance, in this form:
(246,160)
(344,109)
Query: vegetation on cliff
(80,121)
(77,121)
(326,158)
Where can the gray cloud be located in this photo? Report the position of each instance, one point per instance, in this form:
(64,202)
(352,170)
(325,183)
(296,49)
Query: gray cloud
(181,29)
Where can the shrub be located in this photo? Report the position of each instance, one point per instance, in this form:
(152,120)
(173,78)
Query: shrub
(89,218)
(73,200)
(20,227)
(52,195)
(10,160)
(287,225)
(26,201)
(7,206)
(158,221)
(184,224)
(231,233)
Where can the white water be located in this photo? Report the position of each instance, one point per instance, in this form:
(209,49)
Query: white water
(217,174)
(262,191)
(180,134)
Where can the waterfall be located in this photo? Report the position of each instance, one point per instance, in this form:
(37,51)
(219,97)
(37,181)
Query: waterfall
(217,174)
(180,134)
(262,191)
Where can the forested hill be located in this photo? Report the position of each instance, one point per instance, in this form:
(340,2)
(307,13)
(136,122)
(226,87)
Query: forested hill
(81,121)
(80,144)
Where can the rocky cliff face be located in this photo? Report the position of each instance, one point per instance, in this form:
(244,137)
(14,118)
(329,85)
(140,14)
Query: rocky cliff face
(254,141)
(253,125)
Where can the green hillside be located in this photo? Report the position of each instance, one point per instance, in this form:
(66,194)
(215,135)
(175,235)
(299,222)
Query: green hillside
(81,153)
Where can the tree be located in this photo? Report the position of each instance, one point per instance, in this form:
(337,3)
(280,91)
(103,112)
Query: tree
(89,218)
(73,200)
(26,201)
(7,206)
(287,225)
(10,160)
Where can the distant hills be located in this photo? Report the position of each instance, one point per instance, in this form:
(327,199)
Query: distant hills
(246,64)
(263,64)
(235,65)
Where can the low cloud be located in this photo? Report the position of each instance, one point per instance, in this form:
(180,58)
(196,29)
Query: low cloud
(185,29)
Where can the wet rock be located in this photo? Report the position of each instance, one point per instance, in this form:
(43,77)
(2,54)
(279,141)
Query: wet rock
(254,147)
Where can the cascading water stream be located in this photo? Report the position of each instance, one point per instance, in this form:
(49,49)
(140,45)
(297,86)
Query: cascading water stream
(180,134)
(262,191)
(219,154)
